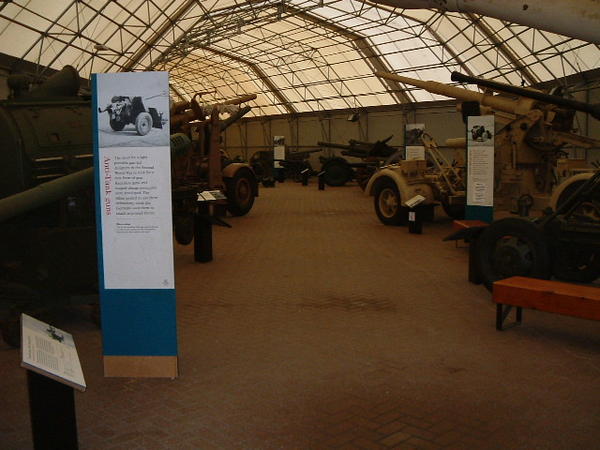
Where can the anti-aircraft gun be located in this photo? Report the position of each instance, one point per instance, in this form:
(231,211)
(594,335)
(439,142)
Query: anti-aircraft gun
(530,159)
(198,163)
(530,162)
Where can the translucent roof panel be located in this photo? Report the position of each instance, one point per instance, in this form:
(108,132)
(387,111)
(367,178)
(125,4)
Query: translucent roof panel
(296,55)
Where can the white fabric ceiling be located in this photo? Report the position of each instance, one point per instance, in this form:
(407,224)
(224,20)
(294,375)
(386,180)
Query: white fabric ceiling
(297,55)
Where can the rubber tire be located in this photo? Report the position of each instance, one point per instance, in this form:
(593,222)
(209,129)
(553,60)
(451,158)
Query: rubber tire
(143,123)
(239,204)
(386,186)
(524,230)
(116,125)
(337,172)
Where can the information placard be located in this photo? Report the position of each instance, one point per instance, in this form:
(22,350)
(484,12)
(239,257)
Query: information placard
(278,151)
(134,219)
(480,168)
(50,352)
(413,144)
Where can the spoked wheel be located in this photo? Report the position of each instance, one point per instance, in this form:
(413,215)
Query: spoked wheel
(388,203)
(576,263)
(143,123)
(512,247)
(240,192)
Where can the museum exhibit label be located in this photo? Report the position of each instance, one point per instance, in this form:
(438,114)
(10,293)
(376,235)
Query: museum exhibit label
(480,168)
(134,221)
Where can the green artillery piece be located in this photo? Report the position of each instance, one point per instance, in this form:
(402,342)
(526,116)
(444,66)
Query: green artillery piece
(338,171)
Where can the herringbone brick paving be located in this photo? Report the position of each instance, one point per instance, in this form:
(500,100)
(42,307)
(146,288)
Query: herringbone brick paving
(318,327)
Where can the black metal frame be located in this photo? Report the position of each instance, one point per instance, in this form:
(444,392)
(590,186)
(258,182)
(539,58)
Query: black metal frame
(502,312)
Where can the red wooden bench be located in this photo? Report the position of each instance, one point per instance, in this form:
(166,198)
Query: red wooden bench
(544,295)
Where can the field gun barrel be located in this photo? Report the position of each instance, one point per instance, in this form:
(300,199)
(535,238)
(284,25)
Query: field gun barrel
(334,145)
(45,193)
(239,100)
(593,110)
(234,117)
(496,102)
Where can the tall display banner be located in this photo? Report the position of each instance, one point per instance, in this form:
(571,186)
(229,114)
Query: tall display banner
(480,168)
(412,141)
(278,151)
(134,221)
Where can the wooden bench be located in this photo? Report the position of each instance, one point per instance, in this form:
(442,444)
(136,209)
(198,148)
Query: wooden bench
(544,295)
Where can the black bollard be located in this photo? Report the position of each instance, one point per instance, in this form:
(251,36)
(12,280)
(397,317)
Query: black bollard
(52,409)
(203,251)
(415,221)
(304,177)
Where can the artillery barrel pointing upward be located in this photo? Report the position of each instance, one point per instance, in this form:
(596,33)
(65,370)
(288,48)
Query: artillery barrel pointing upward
(593,110)
(498,103)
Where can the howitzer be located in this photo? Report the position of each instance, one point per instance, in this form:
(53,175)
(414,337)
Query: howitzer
(360,149)
(339,171)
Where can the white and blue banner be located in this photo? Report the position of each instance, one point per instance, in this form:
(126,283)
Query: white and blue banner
(134,214)
(480,168)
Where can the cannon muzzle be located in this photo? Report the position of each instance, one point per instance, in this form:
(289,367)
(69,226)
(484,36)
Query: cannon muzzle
(593,110)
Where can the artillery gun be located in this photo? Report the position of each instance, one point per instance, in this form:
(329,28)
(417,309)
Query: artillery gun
(338,170)
(434,178)
(124,110)
(529,161)
(47,211)
(198,163)
(530,156)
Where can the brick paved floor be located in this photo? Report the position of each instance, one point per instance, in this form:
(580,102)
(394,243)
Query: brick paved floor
(318,327)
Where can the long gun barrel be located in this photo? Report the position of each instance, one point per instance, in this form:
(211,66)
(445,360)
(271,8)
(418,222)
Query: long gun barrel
(498,103)
(334,145)
(592,109)
(45,193)
(234,117)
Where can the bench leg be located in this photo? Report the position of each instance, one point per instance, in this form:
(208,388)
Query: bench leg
(502,312)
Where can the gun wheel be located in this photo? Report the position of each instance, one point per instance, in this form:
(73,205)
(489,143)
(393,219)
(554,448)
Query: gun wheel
(117,125)
(512,247)
(143,123)
(388,203)
(240,192)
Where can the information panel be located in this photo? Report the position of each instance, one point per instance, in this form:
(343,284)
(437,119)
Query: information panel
(480,168)
(50,352)
(134,214)
(413,144)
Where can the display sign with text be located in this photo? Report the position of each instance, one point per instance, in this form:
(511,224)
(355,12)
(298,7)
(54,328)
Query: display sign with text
(134,214)
(480,168)
(413,144)
(51,352)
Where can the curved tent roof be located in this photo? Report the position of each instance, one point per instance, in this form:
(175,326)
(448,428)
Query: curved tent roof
(297,55)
